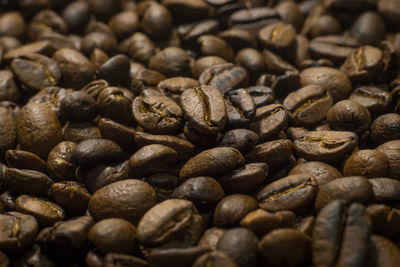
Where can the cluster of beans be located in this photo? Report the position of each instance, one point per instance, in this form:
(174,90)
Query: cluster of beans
(205,133)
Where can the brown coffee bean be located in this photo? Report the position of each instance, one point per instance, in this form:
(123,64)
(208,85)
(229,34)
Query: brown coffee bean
(369,28)
(38,129)
(25,160)
(321,172)
(94,151)
(124,24)
(78,106)
(238,38)
(335,233)
(203,63)
(174,87)
(171,220)
(70,195)
(157,114)
(60,165)
(385,190)
(368,163)
(118,133)
(8,88)
(328,146)
(295,193)
(391,149)
(274,153)
(385,219)
(113,235)
(8,131)
(348,189)
(385,128)
(382,252)
(151,159)
(156,21)
(308,105)
(376,100)
(212,162)
(246,179)
(262,222)
(241,139)
(18,231)
(224,77)
(76,69)
(288,247)
(261,95)
(211,237)
(231,209)
(171,61)
(241,245)
(277,36)
(214,259)
(178,257)
(27,181)
(200,190)
(128,199)
(210,45)
(39,47)
(333,81)
(204,109)
(45,212)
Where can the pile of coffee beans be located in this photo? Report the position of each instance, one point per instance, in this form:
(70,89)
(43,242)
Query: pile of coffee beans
(204,133)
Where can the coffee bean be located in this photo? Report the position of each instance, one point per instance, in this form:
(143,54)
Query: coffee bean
(385,128)
(94,151)
(127,199)
(231,209)
(321,172)
(285,246)
(8,133)
(376,100)
(25,160)
(38,129)
(382,252)
(213,162)
(214,259)
(241,245)
(155,228)
(176,256)
(384,219)
(204,109)
(368,163)
(70,195)
(27,181)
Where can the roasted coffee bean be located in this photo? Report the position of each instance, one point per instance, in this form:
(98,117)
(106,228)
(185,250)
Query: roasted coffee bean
(274,153)
(8,131)
(36,71)
(262,222)
(115,259)
(172,220)
(39,47)
(385,190)
(124,23)
(325,25)
(384,219)
(333,47)
(174,87)
(241,245)
(231,209)
(211,237)
(128,199)
(70,195)
(115,70)
(240,108)
(25,160)
(118,133)
(308,105)
(94,151)
(246,179)
(376,100)
(157,114)
(122,240)
(348,189)
(60,165)
(368,163)
(295,193)
(348,115)
(241,139)
(252,60)
(212,162)
(76,69)
(78,106)
(385,128)
(288,247)
(18,231)
(261,95)
(238,38)
(175,256)
(27,181)
(67,237)
(151,159)
(8,88)
(38,129)
(115,103)
(327,146)
(224,77)
(277,36)
(336,231)
(45,212)
(203,63)
(369,28)
(276,64)
(382,252)
(214,259)
(204,109)
(333,81)
(200,190)
(391,149)
(171,61)
(211,45)
(156,21)
(190,32)
(269,121)
(321,172)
